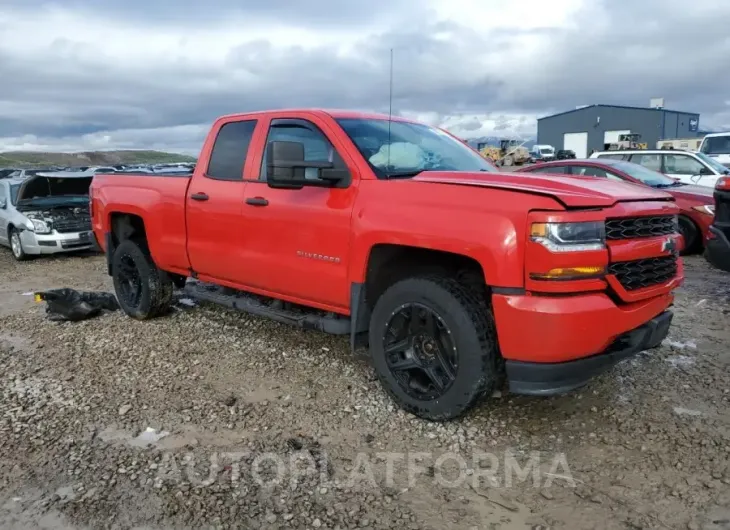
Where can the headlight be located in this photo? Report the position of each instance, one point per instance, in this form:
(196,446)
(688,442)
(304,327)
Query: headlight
(709,209)
(40,227)
(570,237)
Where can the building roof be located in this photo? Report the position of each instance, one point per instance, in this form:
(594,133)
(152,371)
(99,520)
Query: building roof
(617,107)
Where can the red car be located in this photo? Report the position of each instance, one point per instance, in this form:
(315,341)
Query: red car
(696,203)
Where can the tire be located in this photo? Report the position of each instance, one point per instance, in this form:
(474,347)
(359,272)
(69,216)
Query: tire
(16,245)
(469,329)
(691,235)
(152,288)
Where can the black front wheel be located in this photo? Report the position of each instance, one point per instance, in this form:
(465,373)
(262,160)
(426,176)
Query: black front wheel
(143,291)
(433,346)
(690,234)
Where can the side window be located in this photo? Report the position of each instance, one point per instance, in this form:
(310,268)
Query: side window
(3,195)
(682,165)
(552,169)
(588,171)
(648,161)
(613,156)
(317,148)
(229,150)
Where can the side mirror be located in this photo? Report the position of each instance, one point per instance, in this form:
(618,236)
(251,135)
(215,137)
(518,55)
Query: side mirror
(706,171)
(286,168)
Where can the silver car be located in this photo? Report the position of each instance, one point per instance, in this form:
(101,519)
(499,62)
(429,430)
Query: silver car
(45,214)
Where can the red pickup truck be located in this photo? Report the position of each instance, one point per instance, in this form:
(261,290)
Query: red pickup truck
(456,277)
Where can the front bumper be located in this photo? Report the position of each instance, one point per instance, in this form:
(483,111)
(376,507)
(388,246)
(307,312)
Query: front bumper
(55,243)
(717,250)
(546,379)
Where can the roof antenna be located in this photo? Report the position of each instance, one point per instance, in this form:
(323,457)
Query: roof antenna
(390,105)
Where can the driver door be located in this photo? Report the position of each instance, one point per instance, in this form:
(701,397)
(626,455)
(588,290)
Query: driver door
(297,241)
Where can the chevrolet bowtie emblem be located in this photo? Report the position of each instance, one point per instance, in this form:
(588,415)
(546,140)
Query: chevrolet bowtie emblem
(669,245)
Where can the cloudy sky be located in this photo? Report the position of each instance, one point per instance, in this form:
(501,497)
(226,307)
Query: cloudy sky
(100,74)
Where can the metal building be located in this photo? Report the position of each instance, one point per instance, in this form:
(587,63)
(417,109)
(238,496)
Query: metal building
(591,127)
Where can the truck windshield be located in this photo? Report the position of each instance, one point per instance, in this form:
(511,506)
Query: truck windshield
(716,145)
(410,148)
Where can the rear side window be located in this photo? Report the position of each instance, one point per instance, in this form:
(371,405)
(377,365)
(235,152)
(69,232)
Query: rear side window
(648,161)
(230,150)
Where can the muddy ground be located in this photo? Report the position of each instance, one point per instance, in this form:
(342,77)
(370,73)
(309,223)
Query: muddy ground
(208,418)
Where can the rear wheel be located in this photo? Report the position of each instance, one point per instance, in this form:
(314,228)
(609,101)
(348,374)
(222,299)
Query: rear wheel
(433,347)
(143,290)
(16,245)
(690,234)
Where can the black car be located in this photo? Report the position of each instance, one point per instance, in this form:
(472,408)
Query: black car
(564,154)
(717,249)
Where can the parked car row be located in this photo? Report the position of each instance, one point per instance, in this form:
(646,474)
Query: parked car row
(46,211)
(696,203)
(686,166)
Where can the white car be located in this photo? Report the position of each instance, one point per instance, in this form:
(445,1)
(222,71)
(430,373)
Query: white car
(717,146)
(684,166)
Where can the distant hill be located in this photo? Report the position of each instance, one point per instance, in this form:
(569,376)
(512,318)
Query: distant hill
(88,158)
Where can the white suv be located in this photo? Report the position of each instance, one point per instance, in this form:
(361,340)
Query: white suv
(685,166)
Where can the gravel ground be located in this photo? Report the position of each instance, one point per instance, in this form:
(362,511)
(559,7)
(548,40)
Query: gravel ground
(208,418)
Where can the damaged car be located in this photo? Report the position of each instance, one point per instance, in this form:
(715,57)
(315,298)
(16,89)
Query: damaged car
(45,214)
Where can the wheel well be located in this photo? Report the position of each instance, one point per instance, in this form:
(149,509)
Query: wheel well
(127,226)
(391,263)
(697,244)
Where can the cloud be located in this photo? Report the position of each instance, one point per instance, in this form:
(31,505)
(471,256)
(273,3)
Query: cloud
(87,74)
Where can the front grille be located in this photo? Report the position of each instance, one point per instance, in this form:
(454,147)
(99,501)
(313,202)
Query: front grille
(644,272)
(637,227)
(65,226)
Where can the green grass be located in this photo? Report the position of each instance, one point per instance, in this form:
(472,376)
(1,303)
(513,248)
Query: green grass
(88,158)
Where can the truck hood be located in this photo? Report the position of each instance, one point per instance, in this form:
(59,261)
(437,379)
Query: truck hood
(572,192)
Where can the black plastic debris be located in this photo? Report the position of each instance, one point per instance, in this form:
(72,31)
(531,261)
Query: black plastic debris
(71,305)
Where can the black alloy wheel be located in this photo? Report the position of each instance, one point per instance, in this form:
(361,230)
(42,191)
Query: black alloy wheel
(130,282)
(143,290)
(434,346)
(420,351)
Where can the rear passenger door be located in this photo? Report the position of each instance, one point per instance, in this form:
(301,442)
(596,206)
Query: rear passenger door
(683,167)
(215,205)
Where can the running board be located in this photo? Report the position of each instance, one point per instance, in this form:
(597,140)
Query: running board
(278,310)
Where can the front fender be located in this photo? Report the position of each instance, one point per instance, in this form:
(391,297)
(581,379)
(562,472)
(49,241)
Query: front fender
(487,225)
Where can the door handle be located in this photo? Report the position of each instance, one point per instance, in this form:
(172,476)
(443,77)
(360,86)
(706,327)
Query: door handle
(199,197)
(257,201)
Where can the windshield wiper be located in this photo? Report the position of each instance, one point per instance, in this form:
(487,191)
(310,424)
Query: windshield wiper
(672,185)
